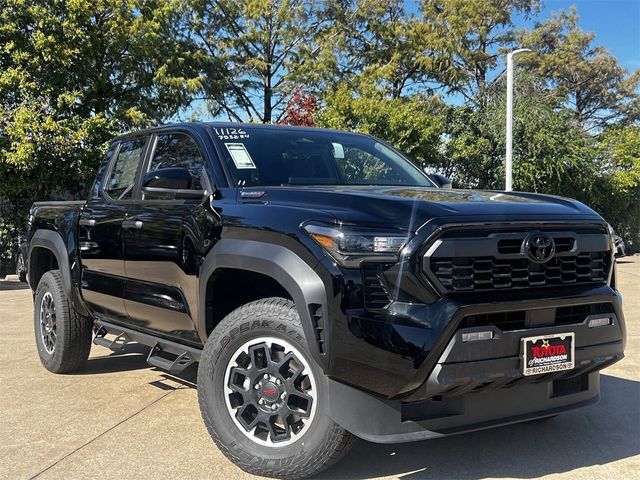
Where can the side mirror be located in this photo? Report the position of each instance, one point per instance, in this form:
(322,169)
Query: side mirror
(440,181)
(174,178)
(173,182)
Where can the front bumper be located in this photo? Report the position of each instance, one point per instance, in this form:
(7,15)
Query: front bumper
(440,385)
(384,421)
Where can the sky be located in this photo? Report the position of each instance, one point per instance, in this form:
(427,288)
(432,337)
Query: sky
(616,24)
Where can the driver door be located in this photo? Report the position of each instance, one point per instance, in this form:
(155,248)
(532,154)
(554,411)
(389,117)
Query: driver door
(161,238)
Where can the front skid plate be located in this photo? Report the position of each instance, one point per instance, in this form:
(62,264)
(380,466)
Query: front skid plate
(380,421)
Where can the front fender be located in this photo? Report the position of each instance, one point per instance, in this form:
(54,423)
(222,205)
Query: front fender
(284,266)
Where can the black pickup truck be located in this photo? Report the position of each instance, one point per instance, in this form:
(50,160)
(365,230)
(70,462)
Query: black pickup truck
(328,289)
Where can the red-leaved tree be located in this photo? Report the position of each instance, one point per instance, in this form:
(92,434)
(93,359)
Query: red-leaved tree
(300,110)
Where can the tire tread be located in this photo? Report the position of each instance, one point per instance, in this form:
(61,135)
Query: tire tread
(72,348)
(337,441)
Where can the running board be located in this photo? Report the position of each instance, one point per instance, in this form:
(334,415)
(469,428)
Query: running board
(175,365)
(184,355)
(118,343)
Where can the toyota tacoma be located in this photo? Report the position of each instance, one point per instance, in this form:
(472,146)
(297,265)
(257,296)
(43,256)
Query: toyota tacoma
(327,288)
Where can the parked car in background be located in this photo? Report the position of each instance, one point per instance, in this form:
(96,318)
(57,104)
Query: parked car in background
(20,259)
(619,245)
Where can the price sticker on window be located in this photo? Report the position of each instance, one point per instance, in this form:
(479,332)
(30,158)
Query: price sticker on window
(240,156)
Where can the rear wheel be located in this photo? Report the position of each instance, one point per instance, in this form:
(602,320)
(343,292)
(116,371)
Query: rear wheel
(262,397)
(63,336)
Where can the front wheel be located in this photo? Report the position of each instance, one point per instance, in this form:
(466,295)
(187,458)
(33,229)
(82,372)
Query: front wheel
(262,397)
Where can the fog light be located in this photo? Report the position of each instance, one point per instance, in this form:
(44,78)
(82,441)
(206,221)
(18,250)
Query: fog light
(475,336)
(599,322)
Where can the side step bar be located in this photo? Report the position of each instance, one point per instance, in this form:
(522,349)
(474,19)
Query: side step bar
(161,349)
(175,365)
(115,344)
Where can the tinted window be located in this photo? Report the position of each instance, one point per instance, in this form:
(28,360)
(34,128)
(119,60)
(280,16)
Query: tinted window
(357,166)
(123,174)
(179,150)
(97,183)
(279,156)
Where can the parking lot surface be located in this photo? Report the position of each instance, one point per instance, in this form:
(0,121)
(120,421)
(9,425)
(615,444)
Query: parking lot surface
(120,418)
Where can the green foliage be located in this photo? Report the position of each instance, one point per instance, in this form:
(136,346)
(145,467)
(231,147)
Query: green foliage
(375,43)
(413,124)
(470,35)
(73,74)
(551,154)
(252,49)
(585,76)
(618,185)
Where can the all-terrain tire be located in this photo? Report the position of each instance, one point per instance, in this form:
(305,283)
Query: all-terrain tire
(322,444)
(70,349)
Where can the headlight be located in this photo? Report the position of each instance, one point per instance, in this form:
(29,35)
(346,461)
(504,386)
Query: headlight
(351,245)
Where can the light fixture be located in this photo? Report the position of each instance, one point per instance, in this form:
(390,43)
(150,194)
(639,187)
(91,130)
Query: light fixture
(477,336)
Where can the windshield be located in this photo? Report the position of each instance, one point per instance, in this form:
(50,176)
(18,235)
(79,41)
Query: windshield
(287,156)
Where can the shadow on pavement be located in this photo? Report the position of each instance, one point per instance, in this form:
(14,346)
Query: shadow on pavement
(132,357)
(7,285)
(624,262)
(596,435)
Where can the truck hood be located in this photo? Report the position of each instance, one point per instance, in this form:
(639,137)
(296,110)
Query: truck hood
(410,207)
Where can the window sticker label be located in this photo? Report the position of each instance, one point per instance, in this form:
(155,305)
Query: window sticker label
(338,150)
(231,133)
(240,156)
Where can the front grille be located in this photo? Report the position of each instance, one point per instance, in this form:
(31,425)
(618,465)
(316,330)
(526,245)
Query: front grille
(511,246)
(518,320)
(577,313)
(463,260)
(458,274)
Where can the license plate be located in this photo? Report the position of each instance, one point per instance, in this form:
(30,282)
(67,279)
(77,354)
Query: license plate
(548,353)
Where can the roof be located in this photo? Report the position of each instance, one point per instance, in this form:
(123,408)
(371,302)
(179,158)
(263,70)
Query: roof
(201,125)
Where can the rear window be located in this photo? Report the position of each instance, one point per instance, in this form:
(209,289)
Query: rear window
(290,156)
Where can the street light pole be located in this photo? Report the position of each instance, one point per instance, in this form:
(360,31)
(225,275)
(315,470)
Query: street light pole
(509,161)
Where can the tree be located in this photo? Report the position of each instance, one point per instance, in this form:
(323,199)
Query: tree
(375,42)
(587,77)
(72,75)
(469,36)
(301,109)
(413,124)
(617,190)
(551,154)
(260,45)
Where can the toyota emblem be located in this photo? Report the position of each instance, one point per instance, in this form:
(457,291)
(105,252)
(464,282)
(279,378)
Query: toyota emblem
(539,247)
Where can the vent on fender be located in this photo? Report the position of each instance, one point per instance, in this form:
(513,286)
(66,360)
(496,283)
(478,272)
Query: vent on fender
(315,310)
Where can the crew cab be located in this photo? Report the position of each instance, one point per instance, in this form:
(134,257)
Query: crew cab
(327,288)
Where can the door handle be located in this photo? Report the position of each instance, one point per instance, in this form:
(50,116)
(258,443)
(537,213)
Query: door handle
(137,224)
(87,222)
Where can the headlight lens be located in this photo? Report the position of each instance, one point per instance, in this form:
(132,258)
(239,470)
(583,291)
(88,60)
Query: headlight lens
(351,245)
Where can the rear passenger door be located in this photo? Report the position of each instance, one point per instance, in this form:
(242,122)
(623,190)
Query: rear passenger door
(100,234)
(161,240)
